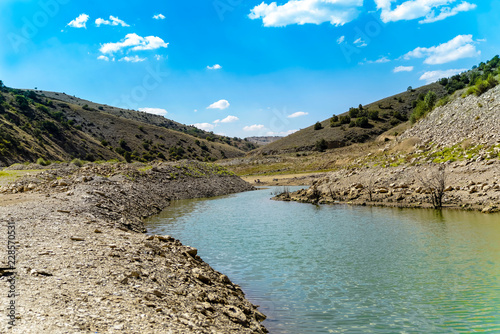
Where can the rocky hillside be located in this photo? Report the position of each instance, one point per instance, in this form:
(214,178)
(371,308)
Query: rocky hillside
(471,119)
(38,125)
(263,140)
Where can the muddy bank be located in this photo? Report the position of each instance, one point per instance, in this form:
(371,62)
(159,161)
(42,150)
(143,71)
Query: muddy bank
(468,185)
(83,268)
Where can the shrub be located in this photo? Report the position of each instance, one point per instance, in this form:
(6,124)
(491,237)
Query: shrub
(22,102)
(77,162)
(42,162)
(373,114)
(353,112)
(317,126)
(321,145)
(352,124)
(335,118)
(362,122)
(345,119)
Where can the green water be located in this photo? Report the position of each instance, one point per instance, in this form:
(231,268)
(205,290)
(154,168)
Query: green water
(342,269)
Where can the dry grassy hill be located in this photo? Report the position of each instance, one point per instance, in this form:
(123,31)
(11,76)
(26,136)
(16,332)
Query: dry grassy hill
(391,111)
(55,126)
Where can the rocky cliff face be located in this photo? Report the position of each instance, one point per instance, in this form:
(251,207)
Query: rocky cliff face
(472,118)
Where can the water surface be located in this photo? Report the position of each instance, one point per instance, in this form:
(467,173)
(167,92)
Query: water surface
(343,269)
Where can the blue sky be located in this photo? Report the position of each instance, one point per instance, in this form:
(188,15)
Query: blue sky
(241,68)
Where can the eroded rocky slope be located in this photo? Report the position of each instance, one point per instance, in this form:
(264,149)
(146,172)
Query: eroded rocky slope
(81,268)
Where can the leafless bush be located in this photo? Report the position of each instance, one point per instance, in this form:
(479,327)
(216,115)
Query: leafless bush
(435,184)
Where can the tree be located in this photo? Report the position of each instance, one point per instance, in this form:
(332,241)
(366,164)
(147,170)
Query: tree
(435,184)
(318,126)
(22,102)
(321,145)
(430,100)
(409,89)
(2,86)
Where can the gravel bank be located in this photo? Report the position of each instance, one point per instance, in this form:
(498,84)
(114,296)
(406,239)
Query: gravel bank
(82,266)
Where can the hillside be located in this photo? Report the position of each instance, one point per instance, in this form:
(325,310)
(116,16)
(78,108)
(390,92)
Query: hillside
(386,114)
(148,118)
(365,123)
(42,125)
(263,140)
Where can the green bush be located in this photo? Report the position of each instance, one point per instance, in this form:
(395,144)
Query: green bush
(317,126)
(373,115)
(362,122)
(321,145)
(345,119)
(77,162)
(42,162)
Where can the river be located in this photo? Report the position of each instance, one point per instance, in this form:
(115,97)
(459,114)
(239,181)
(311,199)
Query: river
(348,269)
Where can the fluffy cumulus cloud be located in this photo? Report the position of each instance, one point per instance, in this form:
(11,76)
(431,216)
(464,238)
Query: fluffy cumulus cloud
(204,126)
(337,12)
(103,58)
(298,114)
(430,10)
(134,42)
(433,76)
(221,104)
(155,111)
(159,17)
(215,67)
(79,22)
(230,119)
(459,47)
(113,21)
(255,127)
(403,69)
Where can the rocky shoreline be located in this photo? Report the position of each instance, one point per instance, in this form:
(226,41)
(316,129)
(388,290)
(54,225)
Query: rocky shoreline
(469,185)
(82,266)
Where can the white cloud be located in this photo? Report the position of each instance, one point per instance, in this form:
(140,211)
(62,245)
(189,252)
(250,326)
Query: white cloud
(215,67)
(114,22)
(414,9)
(459,47)
(337,12)
(341,39)
(403,69)
(135,42)
(230,119)
(134,59)
(381,60)
(447,12)
(155,111)
(79,22)
(221,104)
(204,126)
(159,17)
(103,58)
(360,43)
(433,76)
(298,114)
(254,127)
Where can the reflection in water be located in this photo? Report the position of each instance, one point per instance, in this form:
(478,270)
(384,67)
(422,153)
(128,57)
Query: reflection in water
(342,269)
